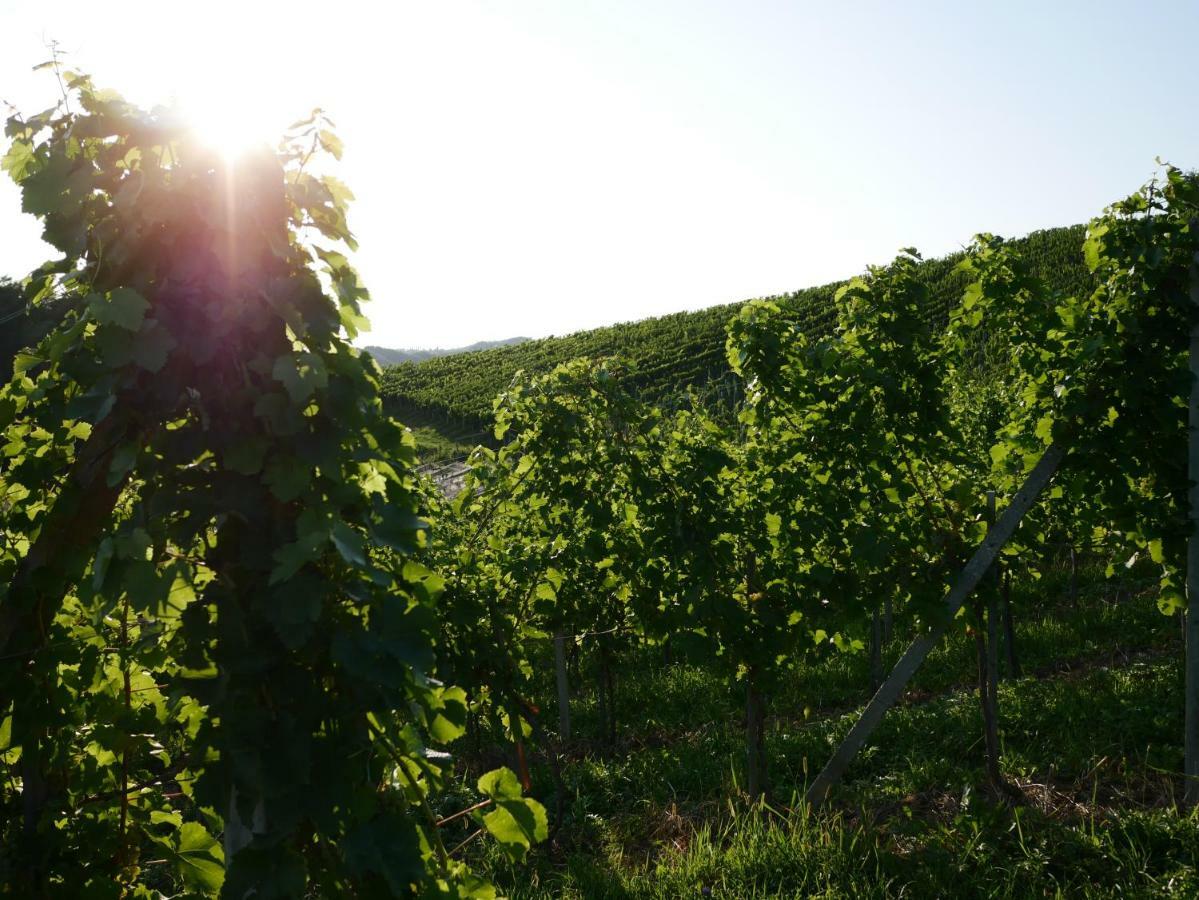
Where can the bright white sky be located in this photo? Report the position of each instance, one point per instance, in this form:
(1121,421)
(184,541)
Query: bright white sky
(533,167)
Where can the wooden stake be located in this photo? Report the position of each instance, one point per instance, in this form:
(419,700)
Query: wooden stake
(563,685)
(1191,701)
(1009,628)
(993,623)
(876,651)
(1073,576)
(755,739)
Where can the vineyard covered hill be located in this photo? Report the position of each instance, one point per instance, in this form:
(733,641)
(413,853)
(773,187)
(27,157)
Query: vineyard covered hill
(448,400)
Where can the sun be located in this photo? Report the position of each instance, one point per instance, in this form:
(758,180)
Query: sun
(226,123)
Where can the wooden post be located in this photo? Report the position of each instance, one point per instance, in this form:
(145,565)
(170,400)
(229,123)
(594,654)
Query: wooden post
(1191,700)
(876,650)
(990,724)
(1009,628)
(607,695)
(611,670)
(986,661)
(236,835)
(1073,576)
(993,624)
(755,739)
(971,574)
(563,685)
(601,697)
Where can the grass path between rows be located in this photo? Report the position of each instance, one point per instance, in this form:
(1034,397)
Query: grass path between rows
(1091,736)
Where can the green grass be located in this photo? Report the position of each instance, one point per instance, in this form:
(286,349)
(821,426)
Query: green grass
(1091,735)
(433,446)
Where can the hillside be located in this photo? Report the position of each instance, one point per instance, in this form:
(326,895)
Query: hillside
(448,400)
(388,356)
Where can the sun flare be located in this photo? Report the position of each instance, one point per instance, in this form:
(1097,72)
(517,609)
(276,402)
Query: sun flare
(227,125)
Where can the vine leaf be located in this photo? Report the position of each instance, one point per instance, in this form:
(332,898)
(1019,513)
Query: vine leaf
(123,307)
(196,856)
(516,822)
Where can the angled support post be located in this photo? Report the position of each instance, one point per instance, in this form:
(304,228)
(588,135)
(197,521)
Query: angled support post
(972,573)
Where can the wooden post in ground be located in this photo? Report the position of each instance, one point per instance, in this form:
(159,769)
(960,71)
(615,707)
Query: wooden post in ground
(993,622)
(986,639)
(1191,701)
(876,651)
(563,685)
(755,738)
(1073,575)
(971,574)
(1009,628)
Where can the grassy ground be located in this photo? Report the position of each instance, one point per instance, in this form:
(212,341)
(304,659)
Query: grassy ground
(1091,737)
(433,446)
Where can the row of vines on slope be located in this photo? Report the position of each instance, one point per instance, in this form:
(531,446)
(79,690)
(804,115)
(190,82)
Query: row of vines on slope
(858,478)
(676,361)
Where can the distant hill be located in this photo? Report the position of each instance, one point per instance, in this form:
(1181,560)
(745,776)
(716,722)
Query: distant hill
(388,357)
(448,400)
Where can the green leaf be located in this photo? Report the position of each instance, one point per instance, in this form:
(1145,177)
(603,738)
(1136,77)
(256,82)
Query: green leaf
(349,544)
(500,784)
(290,558)
(330,142)
(152,348)
(246,457)
(123,461)
(116,346)
(197,858)
(301,374)
(24,361)
(1093,247)
(287,477)
(517,825)
(1044,428)
(267,873)
(123,307)
(388,846)
(448,722)
(1171,601)
(147,591)
(19,161)
(353,321)
(294,608)
(182,593)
